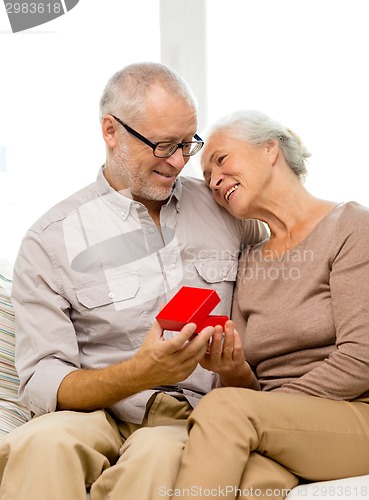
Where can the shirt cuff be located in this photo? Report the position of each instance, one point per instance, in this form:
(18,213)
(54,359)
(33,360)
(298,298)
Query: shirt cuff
(40,394)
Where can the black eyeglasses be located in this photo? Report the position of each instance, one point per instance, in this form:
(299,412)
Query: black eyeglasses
(166,148)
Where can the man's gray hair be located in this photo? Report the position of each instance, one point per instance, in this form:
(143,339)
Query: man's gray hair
(257,128)
(125,92)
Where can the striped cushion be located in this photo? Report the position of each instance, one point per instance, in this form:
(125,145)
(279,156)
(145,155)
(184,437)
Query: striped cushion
(12,413)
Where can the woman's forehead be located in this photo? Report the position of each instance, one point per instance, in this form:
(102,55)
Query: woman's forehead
(217,142)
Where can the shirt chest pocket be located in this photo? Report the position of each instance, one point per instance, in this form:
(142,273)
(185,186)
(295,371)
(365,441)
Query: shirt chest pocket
(216,271)
(219,275)
(112,291)
(107,314)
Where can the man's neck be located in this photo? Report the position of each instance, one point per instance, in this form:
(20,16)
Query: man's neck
(153,207)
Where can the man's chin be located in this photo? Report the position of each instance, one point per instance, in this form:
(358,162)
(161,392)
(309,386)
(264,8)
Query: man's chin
(161,193)
(162,196)
(154,194)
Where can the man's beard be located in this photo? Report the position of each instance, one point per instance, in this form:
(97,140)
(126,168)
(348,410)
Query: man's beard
(128,173)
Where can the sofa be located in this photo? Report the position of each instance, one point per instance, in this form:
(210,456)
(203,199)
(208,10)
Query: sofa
(13,414)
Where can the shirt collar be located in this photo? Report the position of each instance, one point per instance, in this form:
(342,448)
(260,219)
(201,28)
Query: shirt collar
(122,200)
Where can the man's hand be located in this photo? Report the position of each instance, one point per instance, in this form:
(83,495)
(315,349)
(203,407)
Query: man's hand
(158,362)
(166,362)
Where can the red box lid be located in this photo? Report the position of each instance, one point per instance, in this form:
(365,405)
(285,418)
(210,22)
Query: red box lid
(212,320)
(189,305)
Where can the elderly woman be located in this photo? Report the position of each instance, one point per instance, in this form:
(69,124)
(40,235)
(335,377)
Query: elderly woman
(300,409)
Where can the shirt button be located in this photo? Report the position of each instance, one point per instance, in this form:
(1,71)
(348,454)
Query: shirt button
(110,295)
(122,213)
(151,230)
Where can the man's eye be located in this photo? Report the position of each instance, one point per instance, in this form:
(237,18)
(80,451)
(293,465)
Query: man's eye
(164,146)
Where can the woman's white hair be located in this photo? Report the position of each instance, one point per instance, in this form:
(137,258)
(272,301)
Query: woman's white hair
(257,128)
(126,90)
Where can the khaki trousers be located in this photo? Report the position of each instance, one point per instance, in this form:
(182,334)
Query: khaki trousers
(247,444)
(55,456)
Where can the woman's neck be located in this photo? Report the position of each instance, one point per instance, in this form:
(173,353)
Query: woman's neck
(292,218)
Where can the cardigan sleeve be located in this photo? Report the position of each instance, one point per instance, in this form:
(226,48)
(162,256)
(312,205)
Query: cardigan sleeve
(344,374)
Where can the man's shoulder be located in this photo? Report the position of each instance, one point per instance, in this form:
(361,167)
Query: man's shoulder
(196,190)
(197,196)
(65,207)
(194,182)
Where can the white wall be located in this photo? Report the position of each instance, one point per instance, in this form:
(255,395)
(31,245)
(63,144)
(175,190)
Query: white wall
(301,61)
(51,80)
(304,62)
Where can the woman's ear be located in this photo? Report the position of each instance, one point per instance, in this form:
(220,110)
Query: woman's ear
(109,131)
(272,150)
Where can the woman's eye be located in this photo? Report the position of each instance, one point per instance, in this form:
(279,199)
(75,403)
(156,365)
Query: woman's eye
(221,159)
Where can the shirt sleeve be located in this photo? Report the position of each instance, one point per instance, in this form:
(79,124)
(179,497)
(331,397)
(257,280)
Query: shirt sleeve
(255,231)
(344,374)
(46,344)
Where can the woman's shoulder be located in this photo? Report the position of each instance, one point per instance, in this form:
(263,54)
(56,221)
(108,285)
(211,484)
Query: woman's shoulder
(353,214)
(352,228)
(346,222)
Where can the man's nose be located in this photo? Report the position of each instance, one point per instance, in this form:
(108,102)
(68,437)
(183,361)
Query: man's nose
(177,160)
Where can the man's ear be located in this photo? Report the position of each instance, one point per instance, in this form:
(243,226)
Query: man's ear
(272,150)
(109,131)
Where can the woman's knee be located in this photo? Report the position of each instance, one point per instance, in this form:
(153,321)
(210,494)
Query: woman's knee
(216,400)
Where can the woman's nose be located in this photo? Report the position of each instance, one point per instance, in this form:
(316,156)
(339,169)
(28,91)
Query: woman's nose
(215,182)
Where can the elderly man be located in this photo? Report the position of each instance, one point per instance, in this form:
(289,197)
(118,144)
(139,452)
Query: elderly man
(111,391)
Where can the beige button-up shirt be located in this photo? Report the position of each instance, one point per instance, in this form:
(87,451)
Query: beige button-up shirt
(91,276)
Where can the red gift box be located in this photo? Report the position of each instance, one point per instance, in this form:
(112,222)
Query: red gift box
(190,305)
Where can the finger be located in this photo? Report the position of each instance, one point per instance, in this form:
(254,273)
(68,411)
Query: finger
(203,337)
(198,346)
(215,348)
(238,354)
(229,337)
(218,332)
(177,342)
(156,331)
(229,326)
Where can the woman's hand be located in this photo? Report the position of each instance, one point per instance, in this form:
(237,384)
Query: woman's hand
(225,357)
